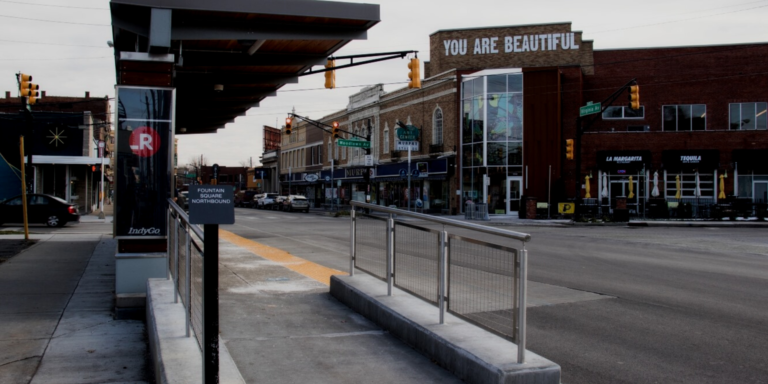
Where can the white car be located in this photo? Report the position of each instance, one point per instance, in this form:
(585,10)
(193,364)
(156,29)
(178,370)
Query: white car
(266,200)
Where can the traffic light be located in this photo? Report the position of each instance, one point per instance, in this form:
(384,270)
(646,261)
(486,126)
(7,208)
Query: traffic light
(27,89)
(569,149)
(330,76)
(335,129)
(288,126)
(634,96)
(415,74)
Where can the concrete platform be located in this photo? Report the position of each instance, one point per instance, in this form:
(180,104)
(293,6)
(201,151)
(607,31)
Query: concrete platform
(472,354)
(176,357)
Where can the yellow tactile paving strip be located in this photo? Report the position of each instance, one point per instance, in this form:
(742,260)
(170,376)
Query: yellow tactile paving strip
(296,264)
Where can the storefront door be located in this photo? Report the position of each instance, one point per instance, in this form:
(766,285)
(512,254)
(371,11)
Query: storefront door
(514,192)
(760,191)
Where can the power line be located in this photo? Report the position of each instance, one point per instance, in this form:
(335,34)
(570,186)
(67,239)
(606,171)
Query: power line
(677,21)
(53,5)
(55,21)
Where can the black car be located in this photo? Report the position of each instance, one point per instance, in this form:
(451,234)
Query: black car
(44,209)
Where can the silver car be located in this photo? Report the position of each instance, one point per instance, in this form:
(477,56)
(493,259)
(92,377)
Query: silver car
(296,203)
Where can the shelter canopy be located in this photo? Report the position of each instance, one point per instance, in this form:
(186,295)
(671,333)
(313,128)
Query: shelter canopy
(225,56)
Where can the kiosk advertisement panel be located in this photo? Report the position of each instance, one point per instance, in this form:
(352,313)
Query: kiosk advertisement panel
(143,141)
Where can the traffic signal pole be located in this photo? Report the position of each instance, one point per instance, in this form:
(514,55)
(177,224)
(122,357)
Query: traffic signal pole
(577,142)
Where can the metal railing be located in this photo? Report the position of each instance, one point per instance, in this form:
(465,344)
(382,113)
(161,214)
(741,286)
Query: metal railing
(481,282)
(476,211)
(186,252)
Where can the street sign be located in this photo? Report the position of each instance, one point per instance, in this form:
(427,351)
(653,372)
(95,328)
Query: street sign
(590,109)
(211,204)
(368,160)
(353,143)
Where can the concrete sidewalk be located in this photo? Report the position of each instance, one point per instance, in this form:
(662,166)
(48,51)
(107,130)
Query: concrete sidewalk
(56,323)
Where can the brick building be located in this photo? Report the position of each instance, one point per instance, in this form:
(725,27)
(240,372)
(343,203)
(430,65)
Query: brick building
(62,134)
(497,105)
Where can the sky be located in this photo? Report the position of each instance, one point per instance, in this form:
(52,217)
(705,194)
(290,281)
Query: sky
(63,44)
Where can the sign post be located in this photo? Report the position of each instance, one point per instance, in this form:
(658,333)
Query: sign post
(211,205)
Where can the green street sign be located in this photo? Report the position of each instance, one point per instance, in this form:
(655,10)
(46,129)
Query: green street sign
(589,109)
(353,143)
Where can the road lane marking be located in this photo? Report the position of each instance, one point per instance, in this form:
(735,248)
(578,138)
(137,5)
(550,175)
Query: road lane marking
(296,264)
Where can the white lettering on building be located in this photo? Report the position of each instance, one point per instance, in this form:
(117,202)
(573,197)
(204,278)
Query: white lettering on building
(518,43)
(455,47)
(690,159)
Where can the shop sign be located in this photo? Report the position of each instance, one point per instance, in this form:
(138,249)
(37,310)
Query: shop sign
(354,172)
(311,177)
(689,159)
(622,160)
(408,133)
(511,44)
(401,145)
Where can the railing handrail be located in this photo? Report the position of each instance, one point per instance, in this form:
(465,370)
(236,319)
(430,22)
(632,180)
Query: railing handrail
(524,237)
(185,219)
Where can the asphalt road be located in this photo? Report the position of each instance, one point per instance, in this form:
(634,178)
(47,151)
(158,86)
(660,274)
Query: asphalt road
(690,306)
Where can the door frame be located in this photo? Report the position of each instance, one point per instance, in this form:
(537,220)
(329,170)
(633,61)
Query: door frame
(754,190)
(519,179)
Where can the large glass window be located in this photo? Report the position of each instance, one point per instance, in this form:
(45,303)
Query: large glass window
(748,116)
(623,112)
(688,117)
(492,136)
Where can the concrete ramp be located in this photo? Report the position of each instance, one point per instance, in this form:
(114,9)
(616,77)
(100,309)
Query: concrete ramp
(469,352)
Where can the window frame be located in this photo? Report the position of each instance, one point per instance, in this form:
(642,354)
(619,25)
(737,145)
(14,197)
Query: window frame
(741,114)
(677,108)
(437,129)
(623,113)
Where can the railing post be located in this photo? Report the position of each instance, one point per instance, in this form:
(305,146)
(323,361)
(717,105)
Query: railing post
(352,248)
(188,280)
(168,242)
(443,274)
(176,261)
(390,252)
(522,300)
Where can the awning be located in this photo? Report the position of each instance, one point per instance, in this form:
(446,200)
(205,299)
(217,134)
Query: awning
(755,160)
(71,160)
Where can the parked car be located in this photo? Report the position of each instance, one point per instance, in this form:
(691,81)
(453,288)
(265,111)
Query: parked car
(278,205)
(296,203)
(266,200)
(244,199)
(43,209)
